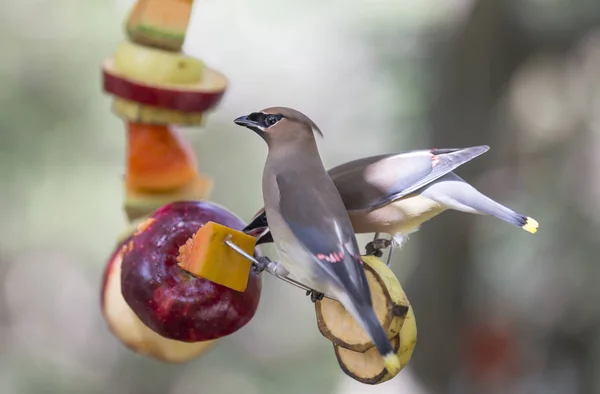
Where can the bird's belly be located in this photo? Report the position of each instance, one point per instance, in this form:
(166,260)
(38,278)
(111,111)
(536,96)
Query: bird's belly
(301,266)
(293,257)
(401,216)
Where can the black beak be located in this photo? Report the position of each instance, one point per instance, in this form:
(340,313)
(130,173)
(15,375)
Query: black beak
(241,121)
(253,125)
(245,121)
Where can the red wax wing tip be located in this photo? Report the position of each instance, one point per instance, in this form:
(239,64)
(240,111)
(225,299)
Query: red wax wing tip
(331,257)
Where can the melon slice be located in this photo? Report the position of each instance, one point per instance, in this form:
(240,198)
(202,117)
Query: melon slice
(139,204)
(158,159)
(159,23)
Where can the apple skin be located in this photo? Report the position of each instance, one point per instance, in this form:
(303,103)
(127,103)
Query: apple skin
(168,299)
(130,330)
(196,98)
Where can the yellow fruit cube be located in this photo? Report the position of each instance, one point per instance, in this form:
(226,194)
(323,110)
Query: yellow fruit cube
(206,255)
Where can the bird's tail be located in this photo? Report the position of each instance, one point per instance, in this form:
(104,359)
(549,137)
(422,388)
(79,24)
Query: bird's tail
(453,192)
(366,317)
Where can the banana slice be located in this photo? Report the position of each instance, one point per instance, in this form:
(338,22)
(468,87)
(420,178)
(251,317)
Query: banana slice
(389,302)
(368,367)
(156,66)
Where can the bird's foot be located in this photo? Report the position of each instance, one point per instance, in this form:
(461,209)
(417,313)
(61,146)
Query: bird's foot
(314,295)
(261,264)
(374,248)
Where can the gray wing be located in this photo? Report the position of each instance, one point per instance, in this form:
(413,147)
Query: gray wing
(320,223)
(372,182)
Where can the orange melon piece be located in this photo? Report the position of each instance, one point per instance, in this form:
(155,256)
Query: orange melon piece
(159,23)
(206,255)
(158,159)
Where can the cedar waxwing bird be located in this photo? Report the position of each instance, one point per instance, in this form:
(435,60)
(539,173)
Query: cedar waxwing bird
(396,193)
(309,224)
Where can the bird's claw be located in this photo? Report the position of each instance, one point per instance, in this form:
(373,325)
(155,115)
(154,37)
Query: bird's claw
(261,264)
(374,248)
(315,296)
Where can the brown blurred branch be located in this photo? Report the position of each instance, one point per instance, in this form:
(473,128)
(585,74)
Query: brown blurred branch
(474,71)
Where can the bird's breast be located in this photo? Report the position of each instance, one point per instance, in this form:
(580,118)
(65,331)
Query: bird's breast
(400,216)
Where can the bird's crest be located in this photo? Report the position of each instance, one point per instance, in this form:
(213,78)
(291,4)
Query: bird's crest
(294,115)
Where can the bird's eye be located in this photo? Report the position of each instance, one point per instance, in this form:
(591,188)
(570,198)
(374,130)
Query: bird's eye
(271,120)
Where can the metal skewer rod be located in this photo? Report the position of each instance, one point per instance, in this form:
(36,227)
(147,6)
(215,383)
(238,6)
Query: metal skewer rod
(269,268)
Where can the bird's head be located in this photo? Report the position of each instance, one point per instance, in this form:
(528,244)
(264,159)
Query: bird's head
(279,124)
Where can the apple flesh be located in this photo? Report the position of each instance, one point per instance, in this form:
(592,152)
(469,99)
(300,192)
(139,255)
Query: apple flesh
(171,301)
(130,330)
(156,66)
(198,97)
(141,113)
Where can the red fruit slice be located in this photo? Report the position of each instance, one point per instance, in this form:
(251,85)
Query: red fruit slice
(198,97)
(129,329)
(158,159)
(168,299)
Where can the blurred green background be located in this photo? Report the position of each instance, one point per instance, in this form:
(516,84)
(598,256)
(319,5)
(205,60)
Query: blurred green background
(498,310)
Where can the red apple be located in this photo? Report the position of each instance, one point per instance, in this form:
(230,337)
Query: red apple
(197,97)
(171,301)
(134,334)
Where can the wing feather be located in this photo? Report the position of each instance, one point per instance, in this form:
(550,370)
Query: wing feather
(325,231)
(373,182)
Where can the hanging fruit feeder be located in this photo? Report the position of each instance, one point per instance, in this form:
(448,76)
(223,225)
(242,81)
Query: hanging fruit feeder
(186,274)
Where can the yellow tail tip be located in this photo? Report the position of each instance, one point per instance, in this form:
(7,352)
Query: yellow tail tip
(531,225)
(392,363)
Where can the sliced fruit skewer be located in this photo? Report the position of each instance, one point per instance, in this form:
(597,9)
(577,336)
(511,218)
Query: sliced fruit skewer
(154,88)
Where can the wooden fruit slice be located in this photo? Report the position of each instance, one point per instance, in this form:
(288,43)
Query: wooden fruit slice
(337,325)
(158,159)
(368,367)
